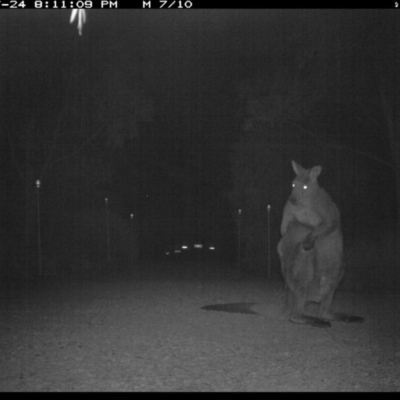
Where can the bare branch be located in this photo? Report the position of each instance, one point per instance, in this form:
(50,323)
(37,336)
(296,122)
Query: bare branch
(379,160)
(80,148)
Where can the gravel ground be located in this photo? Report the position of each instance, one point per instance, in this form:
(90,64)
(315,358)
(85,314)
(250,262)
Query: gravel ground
(137,333)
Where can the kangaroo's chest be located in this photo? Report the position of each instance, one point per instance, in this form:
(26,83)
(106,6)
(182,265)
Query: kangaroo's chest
(306,215)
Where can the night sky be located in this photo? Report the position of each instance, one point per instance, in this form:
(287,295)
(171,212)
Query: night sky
(159,89)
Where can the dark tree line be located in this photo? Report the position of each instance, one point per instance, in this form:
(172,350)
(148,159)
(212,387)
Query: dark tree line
(69,130)
(327,97)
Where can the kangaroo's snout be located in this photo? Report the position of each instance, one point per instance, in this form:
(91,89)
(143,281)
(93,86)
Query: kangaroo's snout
(293,200)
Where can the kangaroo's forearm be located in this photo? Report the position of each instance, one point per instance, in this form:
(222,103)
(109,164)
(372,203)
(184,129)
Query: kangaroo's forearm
(325,230)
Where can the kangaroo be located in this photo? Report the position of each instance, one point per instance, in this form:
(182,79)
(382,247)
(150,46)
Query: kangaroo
(311,250)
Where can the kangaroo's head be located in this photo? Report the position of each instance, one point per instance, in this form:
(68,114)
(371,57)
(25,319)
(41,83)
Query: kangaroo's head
(305,184)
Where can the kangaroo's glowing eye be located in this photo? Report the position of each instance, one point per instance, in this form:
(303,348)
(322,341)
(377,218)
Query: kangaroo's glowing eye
(305,187)
(293,185)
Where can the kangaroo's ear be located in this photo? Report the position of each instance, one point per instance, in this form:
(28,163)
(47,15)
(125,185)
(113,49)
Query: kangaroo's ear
(297,168)
(315,171)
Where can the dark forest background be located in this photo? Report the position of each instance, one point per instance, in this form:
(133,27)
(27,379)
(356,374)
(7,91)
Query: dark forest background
(179,132)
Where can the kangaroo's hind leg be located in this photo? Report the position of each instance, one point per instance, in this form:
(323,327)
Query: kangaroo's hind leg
(329,259)
(300,272)
(299,314)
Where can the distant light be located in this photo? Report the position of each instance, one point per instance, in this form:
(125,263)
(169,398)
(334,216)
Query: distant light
(184,247)
(177,251)
(167,253)
(212,248)
(198,246)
